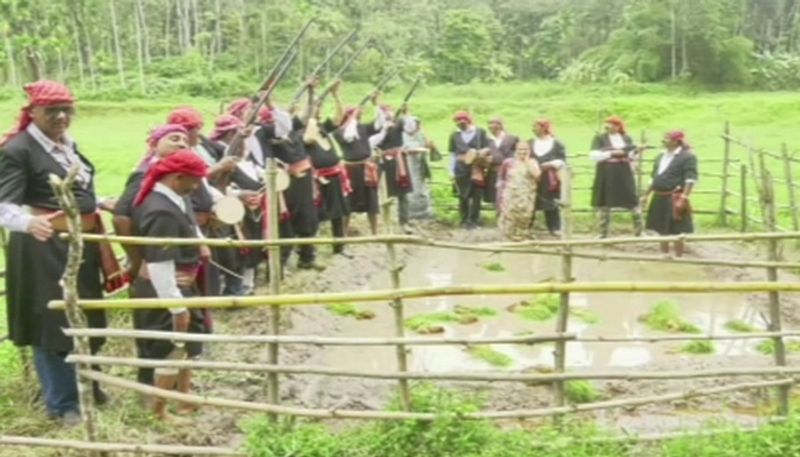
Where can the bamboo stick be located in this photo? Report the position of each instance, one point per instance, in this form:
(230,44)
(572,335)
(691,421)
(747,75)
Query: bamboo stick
(774,299)
(168,449)
(275,270)
(318,340)
(743,202)
(787,168)
(424,292)
(562,320)
(460,376)
(407,239)
(402,415)
(69,281)
(726,155)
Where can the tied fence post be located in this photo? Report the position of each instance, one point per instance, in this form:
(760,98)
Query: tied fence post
(787,169)
(726,157)
(743,194)
(273,220)
(768,200)
(562,321)
(397,303)
(763,173)
(75,316)
(640,165)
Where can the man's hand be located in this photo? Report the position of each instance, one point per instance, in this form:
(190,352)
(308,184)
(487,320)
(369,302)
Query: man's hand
(312,81)
(108,204)
(180,321)
(618,153)
(40,228)
(375,96)
(227,164)
(335,88)
(205,252)
(252,200)
(404,109)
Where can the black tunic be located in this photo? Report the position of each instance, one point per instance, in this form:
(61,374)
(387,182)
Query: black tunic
(300,194)
(334,202)
(214,148)
(505,150)
(363,199)
(394,140)
(614,183)
(252,224)
(546,200)
(457,146)
(659,215)
(158,216)
(34,268)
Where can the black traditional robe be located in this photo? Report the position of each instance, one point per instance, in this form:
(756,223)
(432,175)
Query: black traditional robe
(34,268)
(363,199)
(458,147)
(333,201)
(394,140)
(157,217)
(614,183)
(659,215)
(252,228)
(546,199)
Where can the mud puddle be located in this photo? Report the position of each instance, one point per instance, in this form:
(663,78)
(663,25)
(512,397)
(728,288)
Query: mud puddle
(608,314)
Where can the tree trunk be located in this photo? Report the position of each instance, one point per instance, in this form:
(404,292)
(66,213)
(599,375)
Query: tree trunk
(145,31)
(140,53)
(218,27)
(61,71)
(35,63)
(674,63)
(117,48)
(12,64)
(81,65)
(167,28)
(196,22)
(83,40)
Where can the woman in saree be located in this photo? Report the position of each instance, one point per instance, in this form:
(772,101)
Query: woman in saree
(516,193)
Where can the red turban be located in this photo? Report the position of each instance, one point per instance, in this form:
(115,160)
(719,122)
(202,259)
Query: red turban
(40,93)
(265,115)
(239,107)
(617,122)
(462,116)
(545,124)
(187,116)
(183,161)
(163,130)
(677,136)
(225,124)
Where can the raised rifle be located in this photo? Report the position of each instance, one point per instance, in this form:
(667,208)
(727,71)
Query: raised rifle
(325,92)
(322,65)
(408,96)
(390,76)
(273,74)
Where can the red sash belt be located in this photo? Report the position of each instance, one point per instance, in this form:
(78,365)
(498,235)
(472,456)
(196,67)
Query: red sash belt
(371,172)
(401,173)
(340,171)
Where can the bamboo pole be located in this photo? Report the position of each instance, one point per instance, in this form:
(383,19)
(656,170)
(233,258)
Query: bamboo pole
(319,341)
(425,292)
(723,215)
(639,165)
(787,168)
(460,376)
(403,415)
(774,298)
(395,268)
(74,314)
(167,449)
(743,202)
(562,320)
(764,191)
(416,240)
(275,271)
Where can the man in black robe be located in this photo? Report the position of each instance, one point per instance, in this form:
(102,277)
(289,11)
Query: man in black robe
(362,169)
(162,209)
(394,160)
(470,179)
(614,183)
(501,147)
(37,147)
(674,177)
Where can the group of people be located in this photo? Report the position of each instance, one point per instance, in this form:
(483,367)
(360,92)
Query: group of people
(522,178)
(183,177)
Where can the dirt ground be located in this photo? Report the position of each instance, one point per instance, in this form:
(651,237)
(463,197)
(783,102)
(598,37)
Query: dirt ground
(364,268)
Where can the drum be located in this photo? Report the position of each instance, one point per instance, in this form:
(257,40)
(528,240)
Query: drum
(281,180)
(229,210)
(470,156)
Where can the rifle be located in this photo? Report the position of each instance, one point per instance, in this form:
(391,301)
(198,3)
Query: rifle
(380,86)
(322,65)
(408,96)
(325,92)
(286,54)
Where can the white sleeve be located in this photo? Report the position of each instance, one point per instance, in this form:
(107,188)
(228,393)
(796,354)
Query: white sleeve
(216,195)
(14,218)
(283,123)
(162,276)
(558,163)
(599,156)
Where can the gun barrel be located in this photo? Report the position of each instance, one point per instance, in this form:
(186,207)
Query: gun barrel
(286,53)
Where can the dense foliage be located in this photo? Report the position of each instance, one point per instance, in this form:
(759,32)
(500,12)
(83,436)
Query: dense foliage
(113,48)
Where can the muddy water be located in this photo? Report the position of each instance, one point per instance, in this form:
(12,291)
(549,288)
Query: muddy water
(618,314)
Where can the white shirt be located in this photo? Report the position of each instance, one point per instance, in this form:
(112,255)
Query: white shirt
(162,274)
(666,159)
(468,134)
(617,142)
(16,219)
(498,140)
(542,146)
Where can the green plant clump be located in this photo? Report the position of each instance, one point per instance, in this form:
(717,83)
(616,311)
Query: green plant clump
(698,347)
(349,310)
(740,326)
(495,267)
(767,347)
(581,392)
(491,356)
(542,308)
(431,322)
(585,315)
(665,316)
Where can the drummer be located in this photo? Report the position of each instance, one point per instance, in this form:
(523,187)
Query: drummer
(469,177)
